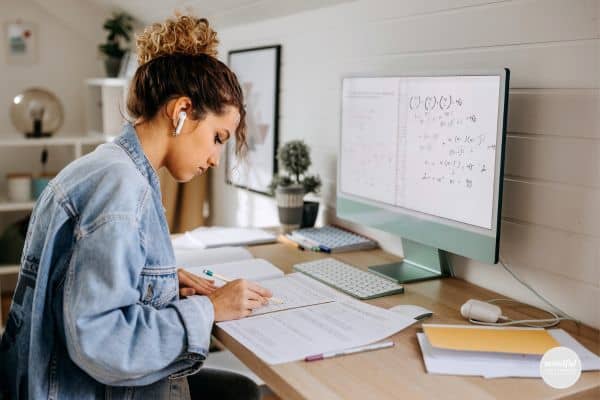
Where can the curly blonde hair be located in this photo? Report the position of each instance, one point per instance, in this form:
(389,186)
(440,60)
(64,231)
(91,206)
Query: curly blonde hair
(183,34)
(178,58)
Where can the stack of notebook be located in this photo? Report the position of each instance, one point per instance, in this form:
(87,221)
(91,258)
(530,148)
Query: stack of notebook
(219,236)
(494,352)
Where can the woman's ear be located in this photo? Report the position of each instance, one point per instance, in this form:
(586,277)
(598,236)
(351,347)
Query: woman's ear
(178,105)
(180,120)
(181,109)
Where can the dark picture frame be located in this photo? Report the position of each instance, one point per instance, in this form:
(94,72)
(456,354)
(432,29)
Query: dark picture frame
(258,72)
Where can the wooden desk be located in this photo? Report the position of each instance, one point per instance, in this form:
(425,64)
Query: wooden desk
(399,372)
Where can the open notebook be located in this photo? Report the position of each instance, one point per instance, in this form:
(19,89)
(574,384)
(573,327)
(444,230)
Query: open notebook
(235,263)
(313,318)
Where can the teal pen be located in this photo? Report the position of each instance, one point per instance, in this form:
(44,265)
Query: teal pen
(218,276)
(226,279)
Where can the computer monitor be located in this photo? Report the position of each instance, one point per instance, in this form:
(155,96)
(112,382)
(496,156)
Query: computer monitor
(421,156)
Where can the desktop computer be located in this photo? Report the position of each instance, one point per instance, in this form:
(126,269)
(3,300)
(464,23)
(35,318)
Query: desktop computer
(422,156)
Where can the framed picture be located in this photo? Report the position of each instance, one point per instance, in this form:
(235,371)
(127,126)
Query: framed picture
(257,70)
(20,42)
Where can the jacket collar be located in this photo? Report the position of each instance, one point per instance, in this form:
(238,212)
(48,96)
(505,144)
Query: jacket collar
(130,142)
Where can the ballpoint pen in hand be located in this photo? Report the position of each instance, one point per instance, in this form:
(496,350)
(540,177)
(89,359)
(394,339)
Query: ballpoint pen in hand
(226,279)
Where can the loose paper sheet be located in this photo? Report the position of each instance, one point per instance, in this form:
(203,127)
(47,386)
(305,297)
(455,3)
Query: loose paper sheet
(295,290)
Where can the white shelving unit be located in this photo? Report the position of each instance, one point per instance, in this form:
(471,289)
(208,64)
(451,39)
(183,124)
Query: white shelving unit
(63,140)
(9,269)
(7,206)
(104,103)
(76,142)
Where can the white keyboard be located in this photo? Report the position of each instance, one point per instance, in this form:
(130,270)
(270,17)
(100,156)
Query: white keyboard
(351,280)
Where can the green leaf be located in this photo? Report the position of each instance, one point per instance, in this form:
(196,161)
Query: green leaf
(312,184)
(294,158)
(119,28)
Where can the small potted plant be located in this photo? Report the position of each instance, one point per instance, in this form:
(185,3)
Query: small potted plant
(119,28)
(291,186)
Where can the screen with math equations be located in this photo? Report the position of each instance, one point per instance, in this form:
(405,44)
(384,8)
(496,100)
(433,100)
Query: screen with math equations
(423,144)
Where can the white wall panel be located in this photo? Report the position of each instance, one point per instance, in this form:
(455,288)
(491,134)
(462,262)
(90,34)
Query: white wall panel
(558,65)
(567,113)
(569,208)
(556,159)
(573,256)
(494,25)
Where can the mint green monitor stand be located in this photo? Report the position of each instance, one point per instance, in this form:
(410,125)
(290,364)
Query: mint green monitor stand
(421,262)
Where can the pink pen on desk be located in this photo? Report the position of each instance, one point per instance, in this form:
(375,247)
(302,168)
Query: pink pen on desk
(371,347)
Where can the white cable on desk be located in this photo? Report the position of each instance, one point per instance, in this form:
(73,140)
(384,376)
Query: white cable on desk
(537,323)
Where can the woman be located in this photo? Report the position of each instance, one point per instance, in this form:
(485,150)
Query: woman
(97,311)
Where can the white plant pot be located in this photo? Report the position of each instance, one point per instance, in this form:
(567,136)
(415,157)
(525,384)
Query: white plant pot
(290,202)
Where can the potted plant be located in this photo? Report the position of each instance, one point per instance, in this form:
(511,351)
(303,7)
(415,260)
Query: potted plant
(119,28)
(291,186)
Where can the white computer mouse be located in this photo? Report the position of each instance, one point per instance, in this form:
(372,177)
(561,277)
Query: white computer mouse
(412,311)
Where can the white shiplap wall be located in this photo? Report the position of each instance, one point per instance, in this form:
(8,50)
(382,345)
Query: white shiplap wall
(551,213)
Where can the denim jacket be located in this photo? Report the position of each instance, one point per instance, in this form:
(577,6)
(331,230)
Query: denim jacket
(96,312)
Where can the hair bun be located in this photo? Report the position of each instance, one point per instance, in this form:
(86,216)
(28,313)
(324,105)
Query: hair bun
(183,34)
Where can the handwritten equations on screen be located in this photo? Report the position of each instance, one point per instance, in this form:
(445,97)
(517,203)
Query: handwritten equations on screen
(423,143)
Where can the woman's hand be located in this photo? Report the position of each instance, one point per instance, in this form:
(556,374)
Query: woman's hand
(237,299)
(190,284)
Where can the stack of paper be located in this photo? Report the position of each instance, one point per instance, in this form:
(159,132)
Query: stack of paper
(313,318)
(217,236)
(339,324)
(494,352)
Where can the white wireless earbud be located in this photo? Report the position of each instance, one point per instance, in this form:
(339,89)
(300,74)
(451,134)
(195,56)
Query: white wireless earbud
(180,121)
(480,311)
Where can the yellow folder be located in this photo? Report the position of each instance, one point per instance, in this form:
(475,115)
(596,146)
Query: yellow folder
(490,339)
